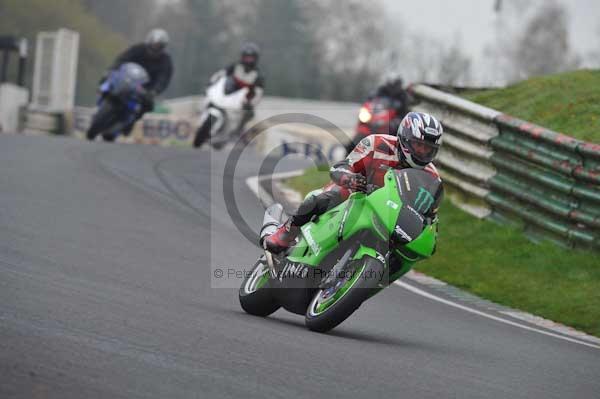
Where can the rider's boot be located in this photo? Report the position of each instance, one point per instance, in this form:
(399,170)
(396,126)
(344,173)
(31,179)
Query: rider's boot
(283,238)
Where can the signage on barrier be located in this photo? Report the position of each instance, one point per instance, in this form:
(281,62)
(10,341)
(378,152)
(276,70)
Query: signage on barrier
(161,129)
(319,152)
(178,129)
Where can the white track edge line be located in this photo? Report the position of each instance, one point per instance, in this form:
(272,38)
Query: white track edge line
(264,197)
(425,294)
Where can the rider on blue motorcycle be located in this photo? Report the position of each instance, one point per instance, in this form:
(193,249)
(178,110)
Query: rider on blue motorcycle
(150,55)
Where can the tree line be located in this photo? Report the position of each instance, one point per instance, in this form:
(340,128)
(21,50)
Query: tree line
(310,48)
(323,49)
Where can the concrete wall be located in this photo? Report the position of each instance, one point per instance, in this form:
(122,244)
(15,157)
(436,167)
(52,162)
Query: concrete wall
(12,98)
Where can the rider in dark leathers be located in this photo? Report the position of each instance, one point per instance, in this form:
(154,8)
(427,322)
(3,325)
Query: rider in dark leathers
(400,100)
(151,55)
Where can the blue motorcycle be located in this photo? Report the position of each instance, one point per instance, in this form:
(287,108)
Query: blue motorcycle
(120,102)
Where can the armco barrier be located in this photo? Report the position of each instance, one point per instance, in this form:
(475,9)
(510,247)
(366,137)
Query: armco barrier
(547,181)
(43,122)
(178,126)
(464,159)
(12,99)
(175,128)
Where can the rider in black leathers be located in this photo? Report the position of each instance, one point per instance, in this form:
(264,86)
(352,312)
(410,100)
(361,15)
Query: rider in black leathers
(400,100)
(151,55)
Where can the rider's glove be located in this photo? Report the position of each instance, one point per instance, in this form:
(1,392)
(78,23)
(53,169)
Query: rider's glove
(354,181)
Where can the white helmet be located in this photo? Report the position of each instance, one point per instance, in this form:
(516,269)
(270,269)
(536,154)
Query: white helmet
(157,40)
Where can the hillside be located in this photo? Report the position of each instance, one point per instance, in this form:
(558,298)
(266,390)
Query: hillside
(567,102)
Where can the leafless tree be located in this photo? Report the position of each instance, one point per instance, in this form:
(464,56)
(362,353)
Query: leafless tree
(532,38)
(454,66)
(543,47)
(350,44)
(593,57)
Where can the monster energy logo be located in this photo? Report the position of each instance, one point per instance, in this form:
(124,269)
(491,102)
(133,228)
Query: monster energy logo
(424,200)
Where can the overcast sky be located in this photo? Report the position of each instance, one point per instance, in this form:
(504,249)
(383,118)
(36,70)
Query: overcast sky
(473,21)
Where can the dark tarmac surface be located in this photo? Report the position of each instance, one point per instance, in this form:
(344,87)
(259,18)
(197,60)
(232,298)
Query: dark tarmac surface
(106,291)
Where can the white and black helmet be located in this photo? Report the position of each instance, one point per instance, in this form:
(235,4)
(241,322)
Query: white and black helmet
(157,40)
(249,54)
(419,138)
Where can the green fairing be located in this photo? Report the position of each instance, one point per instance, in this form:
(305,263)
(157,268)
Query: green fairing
(424,244)
(376,212)
(364,251)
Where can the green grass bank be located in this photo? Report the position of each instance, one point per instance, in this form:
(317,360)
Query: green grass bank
(568,102)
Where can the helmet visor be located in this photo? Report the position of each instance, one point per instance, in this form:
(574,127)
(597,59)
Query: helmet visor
(423,151)
(157,47)
(248,59)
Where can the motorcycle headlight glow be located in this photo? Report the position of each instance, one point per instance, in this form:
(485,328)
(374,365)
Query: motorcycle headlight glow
(364,115)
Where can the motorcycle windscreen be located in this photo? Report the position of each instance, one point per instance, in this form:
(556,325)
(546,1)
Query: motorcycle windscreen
(409,226)
(133,73)
(127,79)
(420,191)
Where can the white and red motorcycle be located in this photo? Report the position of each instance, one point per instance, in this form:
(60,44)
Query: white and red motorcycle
(223,114)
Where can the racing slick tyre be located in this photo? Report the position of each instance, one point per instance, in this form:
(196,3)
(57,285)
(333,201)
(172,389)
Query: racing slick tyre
(203,132)
(104,119)
(255,295)
(332,306)
(109,137)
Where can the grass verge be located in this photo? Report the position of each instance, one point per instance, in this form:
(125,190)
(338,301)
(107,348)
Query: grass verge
(498,263)
(567,102)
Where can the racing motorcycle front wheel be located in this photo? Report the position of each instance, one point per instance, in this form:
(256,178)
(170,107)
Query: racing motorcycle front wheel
(203,132)
(330,307)
(103,120)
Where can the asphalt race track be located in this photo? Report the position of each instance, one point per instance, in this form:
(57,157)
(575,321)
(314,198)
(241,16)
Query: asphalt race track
(107,258)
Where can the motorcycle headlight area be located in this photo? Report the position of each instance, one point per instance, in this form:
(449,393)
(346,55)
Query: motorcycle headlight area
(364,115)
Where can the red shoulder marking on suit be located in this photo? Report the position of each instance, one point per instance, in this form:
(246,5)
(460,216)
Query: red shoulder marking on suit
(385,143)
(430,168)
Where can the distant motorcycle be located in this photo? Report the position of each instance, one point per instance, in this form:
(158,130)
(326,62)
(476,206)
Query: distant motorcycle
(376,116)
(120,101)
(223,114)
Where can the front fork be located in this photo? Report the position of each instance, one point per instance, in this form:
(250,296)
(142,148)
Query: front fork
(271,264)
(386,260)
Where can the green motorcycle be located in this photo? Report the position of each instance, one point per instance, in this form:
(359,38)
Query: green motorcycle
(349,253)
